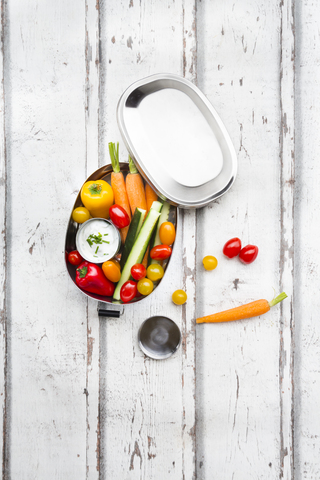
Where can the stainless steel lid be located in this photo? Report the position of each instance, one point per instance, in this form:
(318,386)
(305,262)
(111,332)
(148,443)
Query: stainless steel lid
(177,140)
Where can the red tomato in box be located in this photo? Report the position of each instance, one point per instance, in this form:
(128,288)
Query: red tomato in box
(128,291)
(119,216)
(138,271)
(160,252)
(75,258)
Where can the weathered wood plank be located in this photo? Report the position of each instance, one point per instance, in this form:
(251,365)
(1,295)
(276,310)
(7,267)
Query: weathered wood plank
(147,412)
(306,241)
(92,163)
(46,162)
(238,406)
(287,156)
(3,258)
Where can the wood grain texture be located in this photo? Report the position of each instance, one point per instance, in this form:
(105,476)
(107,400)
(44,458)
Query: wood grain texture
(238,407)
(147,407)
(92,100)
(46,165)
(307,248)
(3,258)
(287,180)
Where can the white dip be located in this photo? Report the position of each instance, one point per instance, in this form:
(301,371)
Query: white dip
(97,240)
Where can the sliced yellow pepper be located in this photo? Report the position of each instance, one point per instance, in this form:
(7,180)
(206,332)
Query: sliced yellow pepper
(97,196)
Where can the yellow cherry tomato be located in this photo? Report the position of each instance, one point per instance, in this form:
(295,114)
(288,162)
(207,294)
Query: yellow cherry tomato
(81,214)
(155,272)
(179,297)
(210,262)
(111,271)
(97,196)
(167,233)
(145,286)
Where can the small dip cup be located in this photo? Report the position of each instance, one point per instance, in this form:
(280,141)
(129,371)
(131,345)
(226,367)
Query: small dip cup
(159,337)
(91,259)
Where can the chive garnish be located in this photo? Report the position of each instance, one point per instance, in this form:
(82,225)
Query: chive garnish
(96,250)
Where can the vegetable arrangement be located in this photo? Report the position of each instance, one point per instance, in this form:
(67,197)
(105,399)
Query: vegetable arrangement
(146,235)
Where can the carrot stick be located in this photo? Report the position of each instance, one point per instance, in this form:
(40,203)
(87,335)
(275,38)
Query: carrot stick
(253,309)
(135,188)
(118,186)
(151,196)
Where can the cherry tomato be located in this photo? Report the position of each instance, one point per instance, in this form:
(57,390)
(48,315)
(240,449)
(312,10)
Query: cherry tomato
(138,271)
(145,286)
(116,262)
(167,233)
(128,291)
(75,258)
(111,271)
(179,297)
(119,216)
(210,262)
(232,247)
(81,214)
(155,272)
(160,252)
(249,253)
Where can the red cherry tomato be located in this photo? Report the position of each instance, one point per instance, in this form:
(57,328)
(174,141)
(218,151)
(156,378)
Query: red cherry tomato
(249,253)
(232,247)
(119,216)
(75,258)
(128,291)
(138,271)
(160,252)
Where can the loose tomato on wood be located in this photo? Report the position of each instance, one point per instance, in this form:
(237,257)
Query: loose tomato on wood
(210,262)
(75,258)
(160,252)
(138,271)
(128,291)
(119,216)
(167,233)
(232,248)
(179,297)
(248,254)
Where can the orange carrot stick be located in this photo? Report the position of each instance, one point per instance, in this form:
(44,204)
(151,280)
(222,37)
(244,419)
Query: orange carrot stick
(135,188)
(151,196)
(253,309)
(118,186)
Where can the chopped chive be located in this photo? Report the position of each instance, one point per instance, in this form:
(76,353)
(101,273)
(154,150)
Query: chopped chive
(105,234)
(89,241)
(96,250)
(105,241)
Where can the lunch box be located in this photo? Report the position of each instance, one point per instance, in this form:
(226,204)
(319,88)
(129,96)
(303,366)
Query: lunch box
(179,145)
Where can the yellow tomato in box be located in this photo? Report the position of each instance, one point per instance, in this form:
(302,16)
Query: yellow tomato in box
(97,196)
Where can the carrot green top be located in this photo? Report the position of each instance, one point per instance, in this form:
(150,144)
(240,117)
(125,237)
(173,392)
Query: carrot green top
(114,156)
(132,167)
(278,299)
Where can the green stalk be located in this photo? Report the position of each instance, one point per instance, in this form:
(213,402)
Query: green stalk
(132,167)
(114,156)
(278,299)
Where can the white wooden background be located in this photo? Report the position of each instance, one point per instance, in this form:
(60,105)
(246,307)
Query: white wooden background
(238,401)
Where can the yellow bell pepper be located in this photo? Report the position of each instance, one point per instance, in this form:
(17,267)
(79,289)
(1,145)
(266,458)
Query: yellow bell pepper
(97,196)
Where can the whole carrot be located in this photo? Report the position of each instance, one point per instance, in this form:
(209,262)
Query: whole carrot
(118,186)
(151,196)
(253,309)
(135,188)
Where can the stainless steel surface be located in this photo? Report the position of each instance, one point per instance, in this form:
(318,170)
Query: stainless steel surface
(72,228)
(159,337)
(78,244)
(177,140)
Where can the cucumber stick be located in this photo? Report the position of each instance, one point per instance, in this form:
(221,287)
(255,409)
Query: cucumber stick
(140,246)
(134,229)
(155,240)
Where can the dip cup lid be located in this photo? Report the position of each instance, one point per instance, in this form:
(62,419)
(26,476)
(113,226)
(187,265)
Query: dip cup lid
(98,260)
(159,337)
